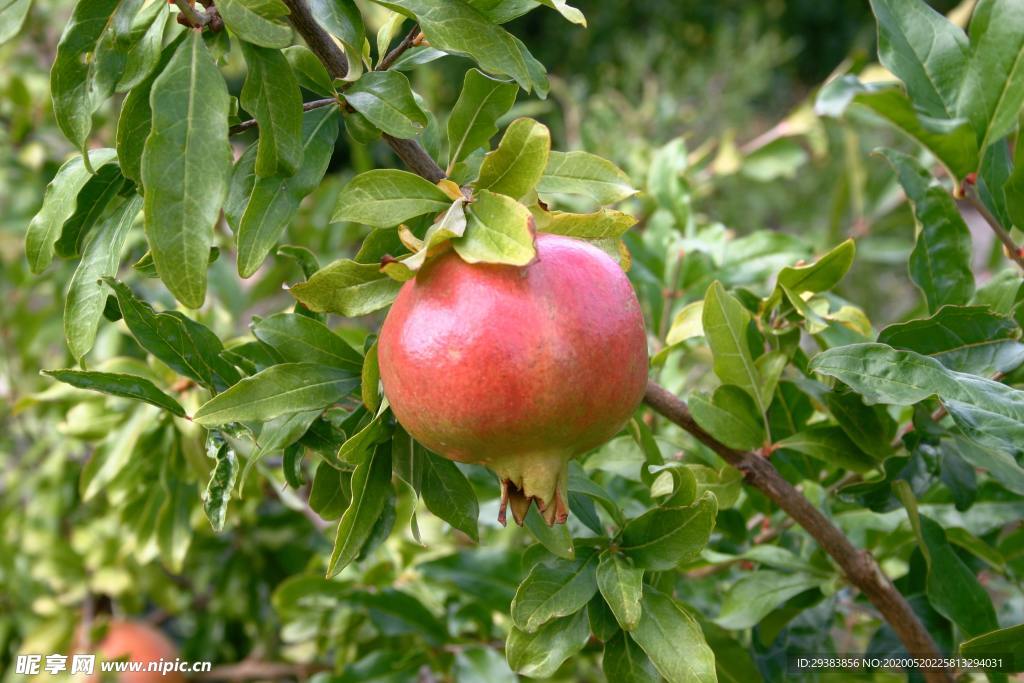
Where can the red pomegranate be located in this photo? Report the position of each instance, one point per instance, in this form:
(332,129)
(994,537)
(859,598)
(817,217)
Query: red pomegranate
(517,368)
(137,642)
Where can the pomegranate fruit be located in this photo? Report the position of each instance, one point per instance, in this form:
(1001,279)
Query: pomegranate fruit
(517,368)
(137,642)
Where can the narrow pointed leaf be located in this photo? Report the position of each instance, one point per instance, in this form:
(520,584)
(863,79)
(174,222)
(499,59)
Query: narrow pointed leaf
(261,22)
(118,384)
(59,203)
(673,640)
(371,485)
(271,94)
(664,537)
(473,120)
(385,98)
(83,306)
(621,585)
(585,174)
(280,389)
(186,166)
(347,288)
(299,338)
(384,198)
(273,201)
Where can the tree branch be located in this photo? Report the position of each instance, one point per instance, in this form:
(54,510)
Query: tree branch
(858,565)
(1014,251)
(392,57)
(327,51)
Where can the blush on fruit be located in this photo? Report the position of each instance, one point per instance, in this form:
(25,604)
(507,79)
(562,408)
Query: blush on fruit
(520,369)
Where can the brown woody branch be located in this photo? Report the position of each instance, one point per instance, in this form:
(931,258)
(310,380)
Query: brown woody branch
(327,51)
(858,565)
(1013,250)
(392,57)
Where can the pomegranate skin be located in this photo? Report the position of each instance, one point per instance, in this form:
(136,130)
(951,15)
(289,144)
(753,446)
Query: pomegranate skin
(517,368)
(137,642)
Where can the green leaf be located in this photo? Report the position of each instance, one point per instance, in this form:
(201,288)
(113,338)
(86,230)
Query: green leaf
(347,288)
(663,538)
(601,224)
(280,389)
(925,50)
(568,12)
(273,201)
(753,597)
(330,492)
(309,71)
(990,413)
(86,297)
(1002,466)
(539,654)
(555,538)
(831,445)
(384,198)
(144,45)
(624,662)
(458,27)
(448,494)
(118,384)
(91,205)
(672,638)
(135,120)
(386,99)
(869,427)
(951,586)
(59,203)
(968,339)
(75,85)
(1005,643)
(823,274)
(186,166)
(342,19)
(515,167)
(952,141)
(940,264)
(276,435)
(12,16)
(497,231)
(219,488)
(725,322)
(187,347)
(621,586)
(271,94)
(371,487)
(473,120)
(482,664)
(585,174)
(299,338)
(687,324)
(730,416)
(993,89)
(261,22)
(554,590)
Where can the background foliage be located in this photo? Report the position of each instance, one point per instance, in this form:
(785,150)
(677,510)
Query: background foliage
(749,170)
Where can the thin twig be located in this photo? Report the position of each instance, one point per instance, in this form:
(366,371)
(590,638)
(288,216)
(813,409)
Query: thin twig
(1014,251)
(306,106)
(859,566)
(392,57)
